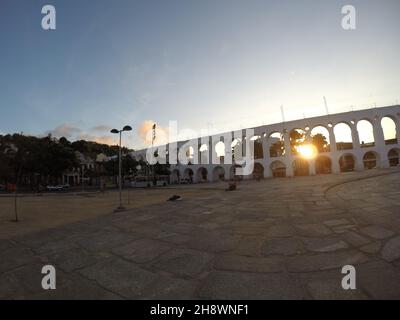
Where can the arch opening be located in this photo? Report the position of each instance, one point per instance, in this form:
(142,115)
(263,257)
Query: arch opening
(232,173)
(175,176)
(258,171)
(323,165)
(278,169)
(320,139)
(188,176)
(343,136)
(393,156)
(258,147)
(218,174)
(347,163)
(202,175)
(203,150)
(370,160)
(220,150)
(365,133)
(277,145)
(301,167)
(235,147)
(389,129)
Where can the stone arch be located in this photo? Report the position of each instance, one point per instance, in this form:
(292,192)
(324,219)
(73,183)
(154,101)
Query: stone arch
(258,171)
(258,147)
(278,169)
(219,149)
(203,151)
(188,174)
(393,157)
(232,171)
(320,138)
(175,176)
(389,129)
(236,146)
(370,160)
(218,174)
(301,167)
(276,144)
(323,165)
(202,174)
(365,130)
(347,162)
(343,136)
(189,152)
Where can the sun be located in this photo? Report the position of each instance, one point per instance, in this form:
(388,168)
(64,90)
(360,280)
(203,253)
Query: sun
(308,151)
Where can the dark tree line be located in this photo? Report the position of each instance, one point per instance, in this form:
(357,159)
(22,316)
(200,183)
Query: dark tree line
(32,158)
(38,161)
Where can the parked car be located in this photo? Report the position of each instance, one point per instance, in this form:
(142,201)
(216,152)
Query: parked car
(54,188)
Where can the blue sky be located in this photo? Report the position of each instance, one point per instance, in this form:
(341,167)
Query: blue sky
(219,64)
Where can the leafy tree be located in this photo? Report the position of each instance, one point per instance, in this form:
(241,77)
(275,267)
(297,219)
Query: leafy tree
(320,142)
(296,139)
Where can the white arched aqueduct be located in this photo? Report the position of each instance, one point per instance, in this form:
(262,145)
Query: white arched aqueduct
(341,147)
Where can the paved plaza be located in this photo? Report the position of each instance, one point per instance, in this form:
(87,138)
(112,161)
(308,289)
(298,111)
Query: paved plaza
(275,239)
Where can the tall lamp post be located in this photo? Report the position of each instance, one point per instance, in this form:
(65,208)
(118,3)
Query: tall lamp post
(126,128)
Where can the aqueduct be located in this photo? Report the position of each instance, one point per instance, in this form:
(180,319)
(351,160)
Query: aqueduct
(341,147)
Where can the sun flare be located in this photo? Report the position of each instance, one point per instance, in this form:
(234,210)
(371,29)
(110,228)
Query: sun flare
(308,151)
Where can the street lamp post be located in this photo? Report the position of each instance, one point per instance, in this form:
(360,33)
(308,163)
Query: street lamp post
(126,128)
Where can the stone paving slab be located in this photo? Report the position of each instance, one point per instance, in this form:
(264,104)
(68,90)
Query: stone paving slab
(277,239)
(239,285)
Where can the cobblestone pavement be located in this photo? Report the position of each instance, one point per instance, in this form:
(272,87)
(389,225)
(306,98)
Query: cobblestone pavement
(276,239)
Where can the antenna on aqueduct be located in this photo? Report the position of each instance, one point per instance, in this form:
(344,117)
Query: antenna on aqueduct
(283,120)
(326,106)
(283,114)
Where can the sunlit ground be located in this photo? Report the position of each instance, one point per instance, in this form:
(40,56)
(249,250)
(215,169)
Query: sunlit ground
(42,212)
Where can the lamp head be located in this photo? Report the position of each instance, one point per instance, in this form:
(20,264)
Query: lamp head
(127,128)
(114,131)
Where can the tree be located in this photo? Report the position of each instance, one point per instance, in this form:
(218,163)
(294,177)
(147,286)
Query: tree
(320,142)
(296,139)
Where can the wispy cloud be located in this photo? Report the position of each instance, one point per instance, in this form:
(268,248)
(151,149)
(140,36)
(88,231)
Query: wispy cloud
(73,132)
(101,128)
(110,140)
(64,130)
